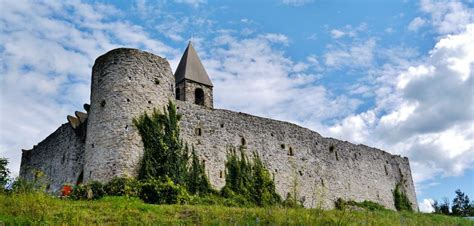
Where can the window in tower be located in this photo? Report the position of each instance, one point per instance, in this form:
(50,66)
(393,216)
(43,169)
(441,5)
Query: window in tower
(199,96)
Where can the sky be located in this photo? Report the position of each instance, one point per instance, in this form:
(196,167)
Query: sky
(396,74)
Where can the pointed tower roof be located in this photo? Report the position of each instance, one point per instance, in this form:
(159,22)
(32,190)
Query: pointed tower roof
(190,67)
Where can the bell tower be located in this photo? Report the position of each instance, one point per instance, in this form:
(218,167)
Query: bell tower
(192,82)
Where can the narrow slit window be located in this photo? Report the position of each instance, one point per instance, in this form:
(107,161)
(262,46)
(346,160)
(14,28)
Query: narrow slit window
(198,131)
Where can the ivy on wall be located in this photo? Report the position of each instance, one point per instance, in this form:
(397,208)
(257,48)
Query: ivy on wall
(165,156)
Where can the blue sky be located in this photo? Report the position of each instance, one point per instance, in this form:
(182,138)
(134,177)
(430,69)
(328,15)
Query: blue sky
(397,75)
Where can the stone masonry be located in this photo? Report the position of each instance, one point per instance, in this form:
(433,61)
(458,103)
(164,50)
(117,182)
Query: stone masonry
(60,157)
(128,82)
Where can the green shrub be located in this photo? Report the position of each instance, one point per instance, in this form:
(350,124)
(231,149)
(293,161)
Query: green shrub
(163,192)
(291,202)
(40,183)
(4,173)
(81,192)
(22,186)
(164,154)
(197,182)
(207,199)
(249,181)
(123,186)
(400,199)
(341,204)
(92,190)
(371,205)
(97,189)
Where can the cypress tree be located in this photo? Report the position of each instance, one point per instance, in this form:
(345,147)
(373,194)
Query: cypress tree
(197,180)
(164,155)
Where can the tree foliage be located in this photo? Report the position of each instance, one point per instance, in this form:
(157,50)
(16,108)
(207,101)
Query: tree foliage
(158,191)
(444,207)
(197,182)
(4,173)
(436,206)
(249,180)
(461,205)
(165,157)
(401,200)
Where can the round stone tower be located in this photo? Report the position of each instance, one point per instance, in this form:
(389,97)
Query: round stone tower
(125,84)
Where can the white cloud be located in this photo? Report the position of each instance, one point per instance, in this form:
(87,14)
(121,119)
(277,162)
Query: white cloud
(355,127)
(424,110)
(348,31)
(297,2)
(426,206)
(337,33)
(389,30)
(416,24)
(193,3)
(262,81)
(47,53)
(448,16)
(173,28)
(355,55)
(276,38)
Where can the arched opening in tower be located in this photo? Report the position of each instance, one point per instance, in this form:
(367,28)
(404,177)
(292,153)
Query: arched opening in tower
(199,96)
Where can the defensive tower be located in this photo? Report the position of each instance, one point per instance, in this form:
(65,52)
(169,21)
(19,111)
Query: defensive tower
(125,83)
(192,82)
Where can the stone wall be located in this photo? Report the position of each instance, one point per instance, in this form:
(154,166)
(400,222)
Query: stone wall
(125,83)
(320,169)
(128,82)
(59,157)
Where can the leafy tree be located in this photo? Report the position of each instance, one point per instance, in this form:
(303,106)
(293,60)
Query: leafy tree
(197,182)
(249,180)
(470,211)
(4,173)
(400,199)
(164,155)
(263,185)
(461,205)
(238,174)
(436,206)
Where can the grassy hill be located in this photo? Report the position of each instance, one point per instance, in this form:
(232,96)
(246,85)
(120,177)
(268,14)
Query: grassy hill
(38,208)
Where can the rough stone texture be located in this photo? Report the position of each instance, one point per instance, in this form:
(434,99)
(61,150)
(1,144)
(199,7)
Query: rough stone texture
(187,90)
(125,83)
(128,82)
(321,169)
(59,157)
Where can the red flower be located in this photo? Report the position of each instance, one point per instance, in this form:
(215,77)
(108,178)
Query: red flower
(66,191)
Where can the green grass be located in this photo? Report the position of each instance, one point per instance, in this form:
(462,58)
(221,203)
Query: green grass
(43,209)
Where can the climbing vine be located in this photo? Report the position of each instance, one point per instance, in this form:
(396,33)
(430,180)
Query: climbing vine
(165,156)
(167,159)
(249,180)
(401,199)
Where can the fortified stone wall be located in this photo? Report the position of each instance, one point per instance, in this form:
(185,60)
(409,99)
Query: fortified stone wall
(128,82)
(125,83)
(59,157)
(320,169)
